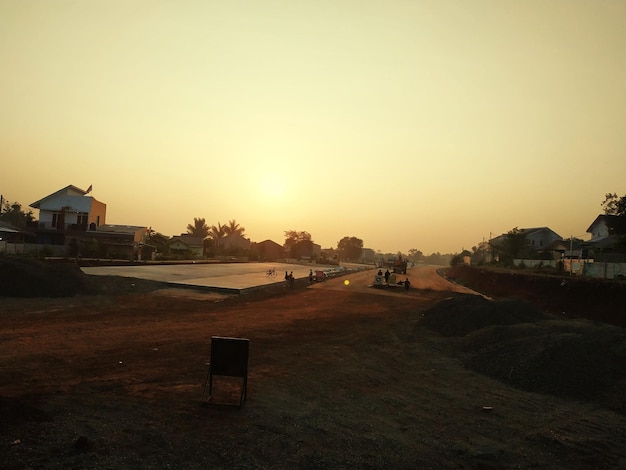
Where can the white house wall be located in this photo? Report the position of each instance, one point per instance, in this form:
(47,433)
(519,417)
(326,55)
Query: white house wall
(74,205)
(541,239)
(599,230)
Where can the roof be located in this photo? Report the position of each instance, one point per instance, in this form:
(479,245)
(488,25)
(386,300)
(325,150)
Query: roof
(601,242)
(609,220)
(130,229)
(560,245)
(530,231)
(269,242)
(67,190)
(9,228)
(188,240)
(527,232)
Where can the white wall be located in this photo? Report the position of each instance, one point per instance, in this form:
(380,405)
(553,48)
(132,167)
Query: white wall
(581,267)
(32,248)
(77,203)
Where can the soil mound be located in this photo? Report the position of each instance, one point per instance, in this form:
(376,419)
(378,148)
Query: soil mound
(515,343)
(460,315)
(36,278)
(24,277)
(579,359)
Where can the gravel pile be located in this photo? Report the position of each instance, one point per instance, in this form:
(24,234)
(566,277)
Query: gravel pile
(515,343)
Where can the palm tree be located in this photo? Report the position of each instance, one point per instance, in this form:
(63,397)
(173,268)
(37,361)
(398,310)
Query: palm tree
(217,233)
(233,228)
(199,228)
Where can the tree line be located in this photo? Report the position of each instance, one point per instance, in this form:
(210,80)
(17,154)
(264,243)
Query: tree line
(298,244)
(214,233)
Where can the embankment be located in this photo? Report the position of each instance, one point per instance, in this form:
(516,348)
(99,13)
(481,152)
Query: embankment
(574,297)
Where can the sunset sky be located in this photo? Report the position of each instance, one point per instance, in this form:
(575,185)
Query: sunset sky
(408,124)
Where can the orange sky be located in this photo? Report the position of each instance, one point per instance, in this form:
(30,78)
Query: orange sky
(408,124)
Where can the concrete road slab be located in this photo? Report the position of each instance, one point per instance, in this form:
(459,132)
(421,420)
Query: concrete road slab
(227,277)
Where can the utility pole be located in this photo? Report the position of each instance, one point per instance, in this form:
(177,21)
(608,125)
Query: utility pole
(571,260)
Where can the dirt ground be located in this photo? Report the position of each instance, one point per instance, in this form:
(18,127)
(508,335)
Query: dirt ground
(341,376)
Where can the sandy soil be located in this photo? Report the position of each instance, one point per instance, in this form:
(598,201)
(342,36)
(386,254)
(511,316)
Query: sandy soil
(340,377)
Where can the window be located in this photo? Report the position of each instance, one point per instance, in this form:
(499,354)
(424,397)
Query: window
(56,219)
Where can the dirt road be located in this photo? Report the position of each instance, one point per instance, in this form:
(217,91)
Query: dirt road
(341,376)
(422,278)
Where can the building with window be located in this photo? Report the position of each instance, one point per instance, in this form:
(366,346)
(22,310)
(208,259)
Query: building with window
(71,218)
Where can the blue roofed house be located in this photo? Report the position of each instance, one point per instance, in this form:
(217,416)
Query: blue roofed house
(70,209)
(74,223)
(540,237)
(537,238)
(606,231)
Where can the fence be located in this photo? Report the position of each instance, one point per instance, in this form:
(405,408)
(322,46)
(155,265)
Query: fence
(605,270)
(32,249)
(580,267)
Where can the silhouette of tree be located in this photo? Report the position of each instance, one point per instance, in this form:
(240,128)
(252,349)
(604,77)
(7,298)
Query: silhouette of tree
(513,246)
(217,233)
(199,228)
(233,228)
(298,244)
(12,213)
(615,210)
(614,205)
(293,236)
(350,248)
(415,255)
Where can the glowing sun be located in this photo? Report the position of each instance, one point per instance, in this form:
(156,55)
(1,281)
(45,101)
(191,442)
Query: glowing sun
(273,187)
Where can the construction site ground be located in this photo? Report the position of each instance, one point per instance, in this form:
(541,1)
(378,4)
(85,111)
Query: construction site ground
(341,375)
